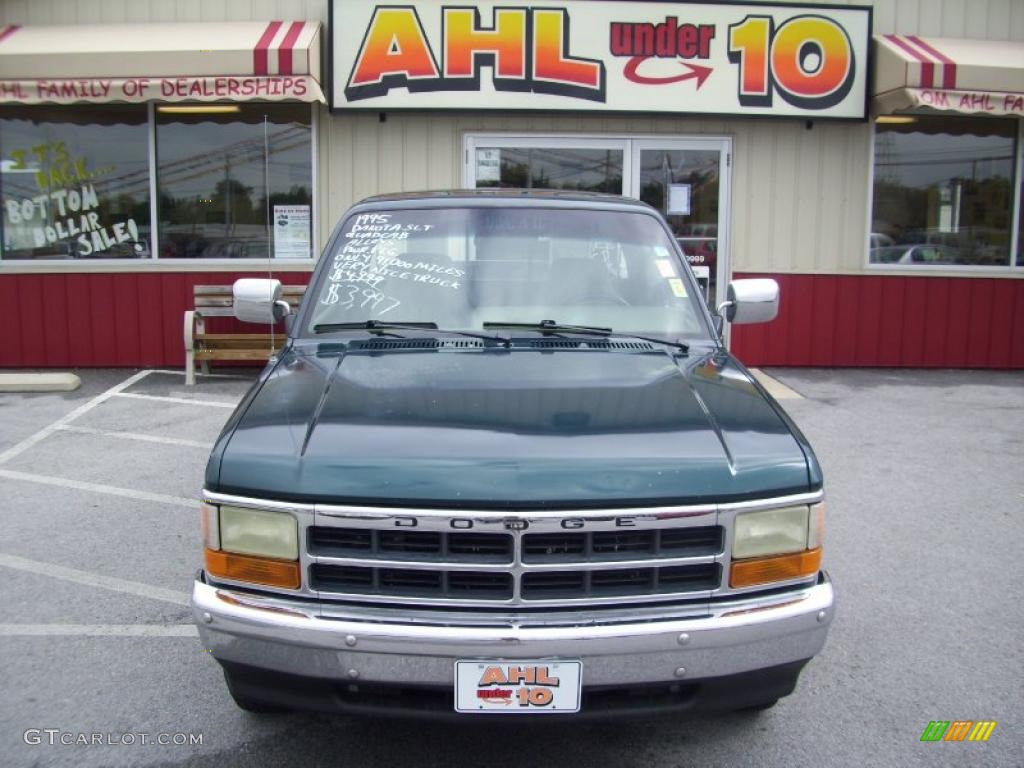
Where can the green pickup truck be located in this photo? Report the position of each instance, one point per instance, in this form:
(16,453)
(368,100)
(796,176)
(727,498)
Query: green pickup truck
(505,465)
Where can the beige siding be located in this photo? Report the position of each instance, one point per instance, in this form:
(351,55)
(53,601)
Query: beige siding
(798,194)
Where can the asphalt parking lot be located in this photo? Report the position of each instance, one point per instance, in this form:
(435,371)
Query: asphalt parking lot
(925,481)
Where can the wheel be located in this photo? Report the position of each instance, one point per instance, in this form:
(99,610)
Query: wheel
(759,707)
(249,704)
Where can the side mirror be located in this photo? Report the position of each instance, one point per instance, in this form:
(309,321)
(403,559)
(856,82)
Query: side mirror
(258,300)
(751,301)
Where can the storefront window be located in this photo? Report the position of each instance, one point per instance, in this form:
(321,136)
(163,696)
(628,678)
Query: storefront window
(74,182)
(943,190)
(234,181)
(592,170)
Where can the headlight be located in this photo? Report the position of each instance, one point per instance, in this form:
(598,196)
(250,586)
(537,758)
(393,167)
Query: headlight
(253,545)
(774,545)
(770,532)
(258,532)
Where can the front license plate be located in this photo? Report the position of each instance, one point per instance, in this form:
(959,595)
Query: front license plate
(517,687)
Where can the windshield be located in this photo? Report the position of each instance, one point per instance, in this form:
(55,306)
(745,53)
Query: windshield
(462,267)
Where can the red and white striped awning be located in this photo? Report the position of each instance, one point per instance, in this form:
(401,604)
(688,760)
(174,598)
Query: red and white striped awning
(230,61)
(969,76)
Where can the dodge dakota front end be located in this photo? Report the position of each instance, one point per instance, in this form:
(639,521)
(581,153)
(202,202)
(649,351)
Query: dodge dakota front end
(505,465)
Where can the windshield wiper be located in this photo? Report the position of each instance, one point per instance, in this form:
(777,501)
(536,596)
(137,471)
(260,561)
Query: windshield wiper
(550,326)
(383,326)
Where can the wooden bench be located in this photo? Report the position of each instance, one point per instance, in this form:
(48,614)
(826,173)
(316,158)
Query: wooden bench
(218,301)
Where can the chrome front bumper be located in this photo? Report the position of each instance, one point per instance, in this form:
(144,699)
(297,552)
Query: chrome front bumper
(294,637)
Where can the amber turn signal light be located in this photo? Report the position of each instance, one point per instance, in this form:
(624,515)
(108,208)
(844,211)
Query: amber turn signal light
(764,570)
(258,570)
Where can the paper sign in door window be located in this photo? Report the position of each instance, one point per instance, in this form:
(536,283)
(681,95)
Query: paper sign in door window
(292,232)
(488,165)
(679,199)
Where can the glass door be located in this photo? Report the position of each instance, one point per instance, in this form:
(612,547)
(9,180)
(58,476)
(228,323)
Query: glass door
(687,180)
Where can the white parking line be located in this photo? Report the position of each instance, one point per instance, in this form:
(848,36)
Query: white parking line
(110,490)
(45,432)
(111,583)
(185,400)
(98,630)
(135,436)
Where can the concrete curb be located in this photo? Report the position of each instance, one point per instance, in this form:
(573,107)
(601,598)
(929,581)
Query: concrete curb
(775,388)
(39,382)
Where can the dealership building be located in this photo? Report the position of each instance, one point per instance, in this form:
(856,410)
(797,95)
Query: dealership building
(867,157)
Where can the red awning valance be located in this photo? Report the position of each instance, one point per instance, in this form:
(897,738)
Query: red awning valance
(231,61)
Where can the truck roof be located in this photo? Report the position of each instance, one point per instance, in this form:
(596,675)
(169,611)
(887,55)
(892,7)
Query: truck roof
(501,197)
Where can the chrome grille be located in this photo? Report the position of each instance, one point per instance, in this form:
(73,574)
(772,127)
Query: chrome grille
(527,560)
(621,581)
(398,544)
(621,545)
(408,582)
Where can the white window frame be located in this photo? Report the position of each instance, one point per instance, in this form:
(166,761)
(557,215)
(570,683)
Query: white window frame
(475,141)
(155,263)
(722,145)
(974,270)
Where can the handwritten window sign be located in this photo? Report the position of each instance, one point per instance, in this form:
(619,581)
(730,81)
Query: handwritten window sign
(80,193)
(69,214)
(375,252)
(387,260)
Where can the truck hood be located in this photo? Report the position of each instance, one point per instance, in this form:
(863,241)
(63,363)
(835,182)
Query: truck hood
(516,428)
